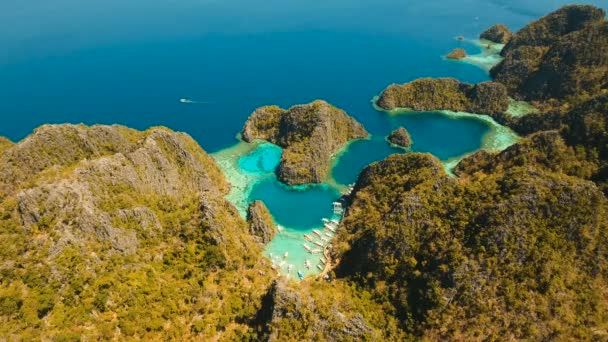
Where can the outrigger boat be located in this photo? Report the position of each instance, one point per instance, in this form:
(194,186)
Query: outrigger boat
(317,233)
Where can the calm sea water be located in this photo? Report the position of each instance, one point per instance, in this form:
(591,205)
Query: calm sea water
(129,62)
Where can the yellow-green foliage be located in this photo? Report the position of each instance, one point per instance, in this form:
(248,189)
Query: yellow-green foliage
(428,94)
(195,271)
(562,56)
(5,144)
(317,311)
(518,253)
(310,134)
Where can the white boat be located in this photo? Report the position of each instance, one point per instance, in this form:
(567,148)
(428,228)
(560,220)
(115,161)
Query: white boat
(318,243)
(320,267)
(316,251)
(323,261)
(318,233)
(307,247)
(325,239)
(286,255)
(336,222)
(330,227)
(325,220)
(308,237)
(328,235)
(307,264)
(185,100)
(280,228)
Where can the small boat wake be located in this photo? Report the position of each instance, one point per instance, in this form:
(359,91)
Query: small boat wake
(185,100)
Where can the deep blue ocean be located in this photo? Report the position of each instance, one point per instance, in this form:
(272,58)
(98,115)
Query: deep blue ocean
(130,62)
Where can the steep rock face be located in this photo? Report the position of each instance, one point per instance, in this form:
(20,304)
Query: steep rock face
(114,226)
(428,94)
(260,222)
(440,249)
(400,137)
(457,54)
(162,163)
(498,33)
(309,134)
(561,55)
(304,313)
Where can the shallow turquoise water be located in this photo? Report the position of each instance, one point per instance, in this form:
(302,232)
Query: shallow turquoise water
(293,207)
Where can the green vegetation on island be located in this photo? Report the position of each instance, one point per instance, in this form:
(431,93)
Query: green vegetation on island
(429,94)
(498,33)
(309,134)
(562,56)
(400,137)
(457,54)
(261,223)
(110,233)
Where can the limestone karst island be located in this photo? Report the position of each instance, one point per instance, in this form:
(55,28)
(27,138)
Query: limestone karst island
(304,171)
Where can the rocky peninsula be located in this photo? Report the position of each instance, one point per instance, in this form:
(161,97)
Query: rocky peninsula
(429,94)
(498,34)
(309,134)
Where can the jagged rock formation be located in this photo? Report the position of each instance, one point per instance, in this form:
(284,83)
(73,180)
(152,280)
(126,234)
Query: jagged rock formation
(400,137)
(303,313)
(560,56)
(106,221)
(498,33)
(439,250)
(428,94)
(260,222)
(457,54)
(309,134)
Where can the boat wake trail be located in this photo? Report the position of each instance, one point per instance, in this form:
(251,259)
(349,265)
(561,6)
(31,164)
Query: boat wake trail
(194,101)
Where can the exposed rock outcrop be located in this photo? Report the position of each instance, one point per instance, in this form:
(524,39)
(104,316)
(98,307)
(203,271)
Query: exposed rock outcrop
(75,174)
(400,137)
(439,246)
(107,221)
(498,33)
(457,54)
(309,134)
(260,222)
(428,94)
(563,55)
(300,313)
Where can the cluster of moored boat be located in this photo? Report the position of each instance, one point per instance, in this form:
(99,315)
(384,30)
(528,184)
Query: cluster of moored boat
(316,241)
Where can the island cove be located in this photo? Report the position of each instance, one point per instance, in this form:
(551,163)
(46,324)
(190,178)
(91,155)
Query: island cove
(298,211)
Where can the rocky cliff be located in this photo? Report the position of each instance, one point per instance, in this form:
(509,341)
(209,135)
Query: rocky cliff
(560,56)
(428,94)
(498,33)
(112,230)
(458,259)
(260,222)
(310,134)
(320,311)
